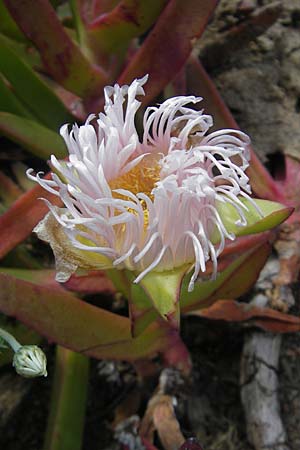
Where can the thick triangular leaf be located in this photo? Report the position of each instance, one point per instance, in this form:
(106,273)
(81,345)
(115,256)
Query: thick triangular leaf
(265,318)
(93,282)
(31,89)
(169,44)
(8,26)
(41,277)
(110,33)
(10,103)
(141,311)
(62,58)
(63,318)
(234,281)
(36,138)
(18,221)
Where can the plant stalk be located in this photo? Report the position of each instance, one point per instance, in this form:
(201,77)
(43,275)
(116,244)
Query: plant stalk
(68,401)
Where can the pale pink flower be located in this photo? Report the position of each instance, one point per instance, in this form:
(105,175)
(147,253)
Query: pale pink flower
(144,204)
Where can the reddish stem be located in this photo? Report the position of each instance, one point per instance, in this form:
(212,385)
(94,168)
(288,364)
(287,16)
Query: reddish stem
(177,354)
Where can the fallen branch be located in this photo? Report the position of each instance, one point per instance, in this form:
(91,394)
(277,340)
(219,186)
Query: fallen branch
(259,391)
(259,379)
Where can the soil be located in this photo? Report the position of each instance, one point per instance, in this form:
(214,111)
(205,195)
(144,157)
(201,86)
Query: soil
(268,66)
(209,406)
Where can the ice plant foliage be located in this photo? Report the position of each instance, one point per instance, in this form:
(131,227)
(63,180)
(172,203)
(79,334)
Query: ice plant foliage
(146,204)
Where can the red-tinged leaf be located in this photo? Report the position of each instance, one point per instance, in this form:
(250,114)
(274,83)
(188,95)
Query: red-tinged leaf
(169,44)
(290,185)
(266,318)
(101,6)
(160,293)
(143,314)
(288,242)
(61,56)
(110,33)
(199,83)
(94,282)
(234,281)
(42,277)
(144,305)
(238,248)
(19,220)
(63,318)
(243,243)
(31,90)
(191,444)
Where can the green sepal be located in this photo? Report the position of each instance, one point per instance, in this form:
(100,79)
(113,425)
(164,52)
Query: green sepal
(141,310)
(163,288)
(267,216)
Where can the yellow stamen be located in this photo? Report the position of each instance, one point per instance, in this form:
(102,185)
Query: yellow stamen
(140,179)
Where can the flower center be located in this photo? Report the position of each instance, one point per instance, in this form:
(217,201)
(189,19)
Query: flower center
(140,179)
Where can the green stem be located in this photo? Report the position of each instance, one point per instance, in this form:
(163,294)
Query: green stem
(67,408)
(81,31)
(14,344)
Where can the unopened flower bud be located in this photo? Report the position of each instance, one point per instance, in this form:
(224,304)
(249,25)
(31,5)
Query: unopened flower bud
(30,361)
